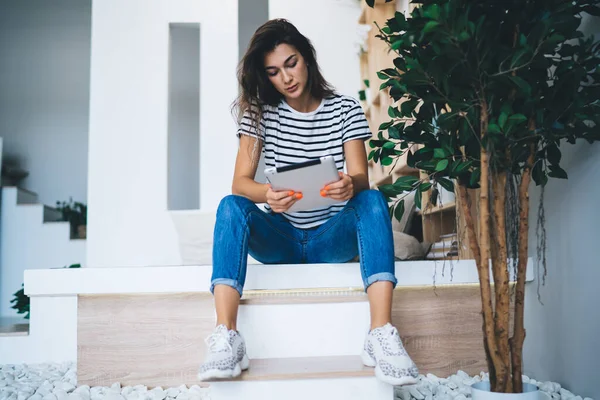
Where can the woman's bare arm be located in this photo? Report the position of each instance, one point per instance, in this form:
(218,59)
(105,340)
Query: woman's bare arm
(246,164)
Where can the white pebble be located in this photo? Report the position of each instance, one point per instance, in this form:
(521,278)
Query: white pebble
(404,394)
(113,396)
(462,374)
(460,397)
(565,394)
(547,387)
(556,387)
(61,394)
(66,386)
(174,392)
(158,394)
(36,397)
(415,393)
(50,396)
(126,390)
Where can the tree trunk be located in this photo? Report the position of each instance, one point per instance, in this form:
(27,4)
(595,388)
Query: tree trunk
(519,328)
(465,208)
(484,259)
(501,281)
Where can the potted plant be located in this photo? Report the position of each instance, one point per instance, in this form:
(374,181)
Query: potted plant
(76,214)
(20,301)
(489,91)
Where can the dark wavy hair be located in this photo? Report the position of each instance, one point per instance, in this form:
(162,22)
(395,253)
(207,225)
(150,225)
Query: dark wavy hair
(256,90)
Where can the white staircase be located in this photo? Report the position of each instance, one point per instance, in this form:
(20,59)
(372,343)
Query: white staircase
(31,237)
(304,326)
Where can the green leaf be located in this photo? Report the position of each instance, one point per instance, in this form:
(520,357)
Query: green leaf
(502,120)
(475,177)
(399,212)
(446,184)
(425,186)
(418,199)
(370,3)
(493,128)
(390,72)
(463,166)
(371,153)
(538,174)
(433,11)
(400,63)
(408,107)
(441,165)
(521,84)
(554,154)
(389,145)
(464,36)
(394,133)
(381,75)
(366,81)
(387,161)
(385,125)
(430,26)
(440,153)
(391,112)
(518,118)
(557,172)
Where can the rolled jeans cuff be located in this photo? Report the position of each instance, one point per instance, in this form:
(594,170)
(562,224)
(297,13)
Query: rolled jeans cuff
(381,276)
(229,282)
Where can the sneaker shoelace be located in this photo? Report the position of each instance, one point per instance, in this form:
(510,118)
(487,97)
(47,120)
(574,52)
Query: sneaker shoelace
(218,342)
(393,343)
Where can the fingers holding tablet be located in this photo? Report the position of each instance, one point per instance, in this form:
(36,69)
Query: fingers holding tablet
(281,200)
(340,190)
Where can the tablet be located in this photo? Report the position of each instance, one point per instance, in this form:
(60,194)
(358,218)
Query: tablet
(308,178)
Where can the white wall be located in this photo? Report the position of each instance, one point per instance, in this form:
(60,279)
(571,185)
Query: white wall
(128,221)
(44,93)
(332,27)
(563,339)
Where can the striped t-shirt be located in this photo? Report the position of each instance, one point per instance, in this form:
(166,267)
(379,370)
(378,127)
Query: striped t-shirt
(291,137)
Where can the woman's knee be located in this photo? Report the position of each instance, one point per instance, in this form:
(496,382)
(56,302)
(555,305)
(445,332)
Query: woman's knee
(233,206)
(372,199)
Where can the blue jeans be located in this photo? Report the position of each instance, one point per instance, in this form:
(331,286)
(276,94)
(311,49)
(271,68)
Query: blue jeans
(362,228)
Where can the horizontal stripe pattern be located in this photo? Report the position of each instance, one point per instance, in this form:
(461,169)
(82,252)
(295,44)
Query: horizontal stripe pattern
(291,137)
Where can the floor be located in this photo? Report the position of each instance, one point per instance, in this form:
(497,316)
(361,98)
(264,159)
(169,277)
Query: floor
(58,381)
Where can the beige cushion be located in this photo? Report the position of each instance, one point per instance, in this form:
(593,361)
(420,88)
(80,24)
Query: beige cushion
(407,247)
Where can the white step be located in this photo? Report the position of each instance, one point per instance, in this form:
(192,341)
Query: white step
(25,196)
(159,316)
(303,389)
(51,214)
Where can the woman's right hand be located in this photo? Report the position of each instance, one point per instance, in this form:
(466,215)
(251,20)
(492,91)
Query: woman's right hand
(281,200)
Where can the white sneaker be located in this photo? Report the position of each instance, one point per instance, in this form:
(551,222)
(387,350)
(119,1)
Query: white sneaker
(384,351)
(226,356)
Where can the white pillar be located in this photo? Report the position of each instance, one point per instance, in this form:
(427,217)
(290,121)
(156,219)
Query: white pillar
(128,221)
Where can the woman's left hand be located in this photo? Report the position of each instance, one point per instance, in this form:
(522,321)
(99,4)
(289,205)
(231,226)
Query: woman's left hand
(341,190)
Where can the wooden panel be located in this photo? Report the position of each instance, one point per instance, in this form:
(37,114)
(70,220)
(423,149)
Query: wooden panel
(135,339)
(441,329)
(158,339)
(306,368)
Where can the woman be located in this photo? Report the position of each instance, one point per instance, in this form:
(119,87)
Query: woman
(300,118)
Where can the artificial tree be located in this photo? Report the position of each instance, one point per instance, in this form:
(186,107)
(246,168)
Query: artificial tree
(488,91)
